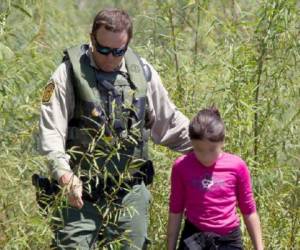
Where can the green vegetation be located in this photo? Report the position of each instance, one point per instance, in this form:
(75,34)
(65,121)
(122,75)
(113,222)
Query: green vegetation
(241,55)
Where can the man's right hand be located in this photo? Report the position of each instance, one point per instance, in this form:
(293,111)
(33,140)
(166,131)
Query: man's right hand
(74,189)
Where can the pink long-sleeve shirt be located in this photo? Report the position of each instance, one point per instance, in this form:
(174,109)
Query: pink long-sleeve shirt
(209,195)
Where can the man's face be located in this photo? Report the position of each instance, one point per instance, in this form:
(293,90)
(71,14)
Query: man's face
(207,152)
(112,40)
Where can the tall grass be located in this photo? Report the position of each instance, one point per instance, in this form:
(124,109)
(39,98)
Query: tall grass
(242,57)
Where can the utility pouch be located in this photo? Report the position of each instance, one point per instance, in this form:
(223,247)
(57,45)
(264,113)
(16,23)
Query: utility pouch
(96,191)
(146,173)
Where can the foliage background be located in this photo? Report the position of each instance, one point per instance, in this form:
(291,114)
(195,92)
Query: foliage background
(240,55)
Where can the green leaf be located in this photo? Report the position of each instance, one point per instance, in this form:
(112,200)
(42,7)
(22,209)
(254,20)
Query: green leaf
(22,9)
(5,52)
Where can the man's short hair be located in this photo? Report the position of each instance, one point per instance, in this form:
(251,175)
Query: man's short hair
(115,20)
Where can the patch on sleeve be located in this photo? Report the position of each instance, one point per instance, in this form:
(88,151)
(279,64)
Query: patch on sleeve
(48,92)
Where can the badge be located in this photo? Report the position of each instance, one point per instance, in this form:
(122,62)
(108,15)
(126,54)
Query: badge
(48,91)
(95,112)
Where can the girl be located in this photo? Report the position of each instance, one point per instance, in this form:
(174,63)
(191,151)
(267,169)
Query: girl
(207,185)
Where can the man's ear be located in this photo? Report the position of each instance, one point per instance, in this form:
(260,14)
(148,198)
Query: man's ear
(91,37)
(92,41)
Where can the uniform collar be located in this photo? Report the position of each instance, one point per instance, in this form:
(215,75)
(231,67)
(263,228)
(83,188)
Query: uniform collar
(93,64)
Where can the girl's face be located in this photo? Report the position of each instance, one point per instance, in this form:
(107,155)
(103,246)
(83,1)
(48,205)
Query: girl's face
(207,152)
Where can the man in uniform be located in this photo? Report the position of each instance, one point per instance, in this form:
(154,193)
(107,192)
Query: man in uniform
(103,94)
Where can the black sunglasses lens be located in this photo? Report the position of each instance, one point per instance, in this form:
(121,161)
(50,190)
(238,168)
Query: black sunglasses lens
(106,50)
(103,50)
(119,52)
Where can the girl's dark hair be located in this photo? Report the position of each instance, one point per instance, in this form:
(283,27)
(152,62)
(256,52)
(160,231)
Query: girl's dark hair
(112,19)
(207,124)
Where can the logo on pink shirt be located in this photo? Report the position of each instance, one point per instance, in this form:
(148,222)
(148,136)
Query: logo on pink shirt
(207,183)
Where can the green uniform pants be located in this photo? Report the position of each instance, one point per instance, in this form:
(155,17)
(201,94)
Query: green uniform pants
(79,228)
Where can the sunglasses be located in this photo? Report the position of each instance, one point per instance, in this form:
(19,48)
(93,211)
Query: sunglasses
(107,50)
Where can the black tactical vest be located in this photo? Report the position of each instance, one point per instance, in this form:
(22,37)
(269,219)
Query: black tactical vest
(108,128)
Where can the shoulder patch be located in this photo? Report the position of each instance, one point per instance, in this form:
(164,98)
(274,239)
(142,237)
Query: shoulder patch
(48,91)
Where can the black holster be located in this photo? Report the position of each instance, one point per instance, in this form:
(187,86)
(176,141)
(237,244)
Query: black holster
(45,190)
(145,174)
